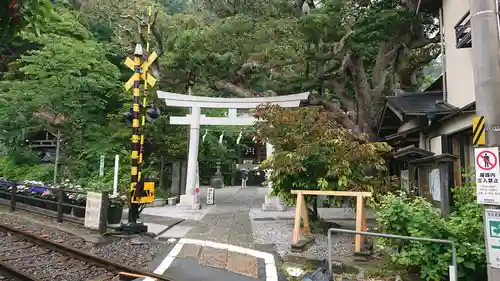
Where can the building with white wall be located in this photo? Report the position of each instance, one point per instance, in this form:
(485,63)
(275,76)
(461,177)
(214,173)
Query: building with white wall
(435,126)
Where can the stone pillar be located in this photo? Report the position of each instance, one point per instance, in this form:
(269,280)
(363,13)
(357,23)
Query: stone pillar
(191,200)
(271,203)
(183,177)
(175,187)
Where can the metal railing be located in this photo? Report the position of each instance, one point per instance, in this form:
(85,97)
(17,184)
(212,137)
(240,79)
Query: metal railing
(452,267)
(463,32)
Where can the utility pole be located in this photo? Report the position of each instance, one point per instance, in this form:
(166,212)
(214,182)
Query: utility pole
(486,64)
(56,162)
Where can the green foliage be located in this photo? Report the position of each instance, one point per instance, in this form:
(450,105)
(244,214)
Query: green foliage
(398,214)
(71,76)
(23,165)
(15,15)
(211,152)
(313,152)
(64,84)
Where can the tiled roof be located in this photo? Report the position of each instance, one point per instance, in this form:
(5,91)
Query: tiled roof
(419,103)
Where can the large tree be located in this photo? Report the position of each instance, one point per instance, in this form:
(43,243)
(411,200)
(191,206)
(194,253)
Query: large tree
(349,53)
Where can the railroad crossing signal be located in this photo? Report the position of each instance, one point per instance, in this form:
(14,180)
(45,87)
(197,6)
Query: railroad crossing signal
(150,79)
(147,197)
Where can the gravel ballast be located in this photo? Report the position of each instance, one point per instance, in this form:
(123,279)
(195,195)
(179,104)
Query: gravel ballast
(279,232)
(120,250)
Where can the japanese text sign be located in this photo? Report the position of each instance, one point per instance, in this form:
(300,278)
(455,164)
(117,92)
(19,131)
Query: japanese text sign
(487,175)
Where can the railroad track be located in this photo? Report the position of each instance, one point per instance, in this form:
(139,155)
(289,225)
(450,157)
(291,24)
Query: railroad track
(27,257)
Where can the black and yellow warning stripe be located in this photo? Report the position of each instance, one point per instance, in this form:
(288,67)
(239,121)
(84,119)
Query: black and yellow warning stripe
(478,129)
(145,96)
(134,173)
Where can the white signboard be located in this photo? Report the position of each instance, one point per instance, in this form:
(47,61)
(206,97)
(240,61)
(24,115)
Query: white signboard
(210,195)
(435,184)
(405,180)
(487,175)
(492,217)
(93,210)
(101,166)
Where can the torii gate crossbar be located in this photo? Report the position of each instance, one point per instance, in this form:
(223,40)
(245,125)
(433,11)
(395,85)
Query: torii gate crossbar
(191,199)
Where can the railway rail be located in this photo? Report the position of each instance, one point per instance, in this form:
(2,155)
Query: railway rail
(27,257)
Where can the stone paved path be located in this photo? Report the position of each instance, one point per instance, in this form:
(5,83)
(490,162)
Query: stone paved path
(229,221)
(220,245)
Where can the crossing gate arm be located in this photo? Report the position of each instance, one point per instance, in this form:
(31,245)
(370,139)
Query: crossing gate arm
(452,267)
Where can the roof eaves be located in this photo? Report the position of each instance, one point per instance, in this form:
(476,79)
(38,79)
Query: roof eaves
(394,108)
(468,107)
(409,131)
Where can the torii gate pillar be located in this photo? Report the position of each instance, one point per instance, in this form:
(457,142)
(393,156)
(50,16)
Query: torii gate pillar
(271,203)
(191,200)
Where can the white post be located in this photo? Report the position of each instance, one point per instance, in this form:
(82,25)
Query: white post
(101,165)
(115,178)
(271,203)
(269,154)
(191,200)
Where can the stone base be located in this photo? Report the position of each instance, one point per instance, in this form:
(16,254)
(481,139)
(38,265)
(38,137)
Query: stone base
(189,202)
(157,203)
(273,204)
(172,201)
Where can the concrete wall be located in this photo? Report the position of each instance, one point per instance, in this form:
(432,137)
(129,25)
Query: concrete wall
(455,125)
(459,73)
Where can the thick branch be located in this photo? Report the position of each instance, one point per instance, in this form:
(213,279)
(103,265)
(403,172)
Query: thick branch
(343,96)
(425,41)
(340,116)
(227,86)
(360,80)
(385,57)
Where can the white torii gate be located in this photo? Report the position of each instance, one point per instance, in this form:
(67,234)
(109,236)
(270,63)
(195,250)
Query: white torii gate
(191,199)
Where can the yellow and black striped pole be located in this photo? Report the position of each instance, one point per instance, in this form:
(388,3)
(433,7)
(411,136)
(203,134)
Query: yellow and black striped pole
(134,172)
(145,96)
(478,131)
(139,193)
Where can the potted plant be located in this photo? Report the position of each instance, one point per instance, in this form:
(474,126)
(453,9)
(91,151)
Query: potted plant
(34,190)
(66,200)
(4,189)
(50,196)
(21,190)
(9,193)
(35,193)
(78,200)
(68,196)
(115,208)
(30,200)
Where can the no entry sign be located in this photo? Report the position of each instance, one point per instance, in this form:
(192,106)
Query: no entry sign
(487,175)
(486,160)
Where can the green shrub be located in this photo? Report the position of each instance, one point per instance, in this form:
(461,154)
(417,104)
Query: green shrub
(14,168)
(398,214)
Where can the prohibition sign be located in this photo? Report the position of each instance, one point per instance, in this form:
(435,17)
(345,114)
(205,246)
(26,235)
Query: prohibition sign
(486,160)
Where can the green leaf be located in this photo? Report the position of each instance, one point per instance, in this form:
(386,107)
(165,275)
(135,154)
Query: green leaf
(470,265)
